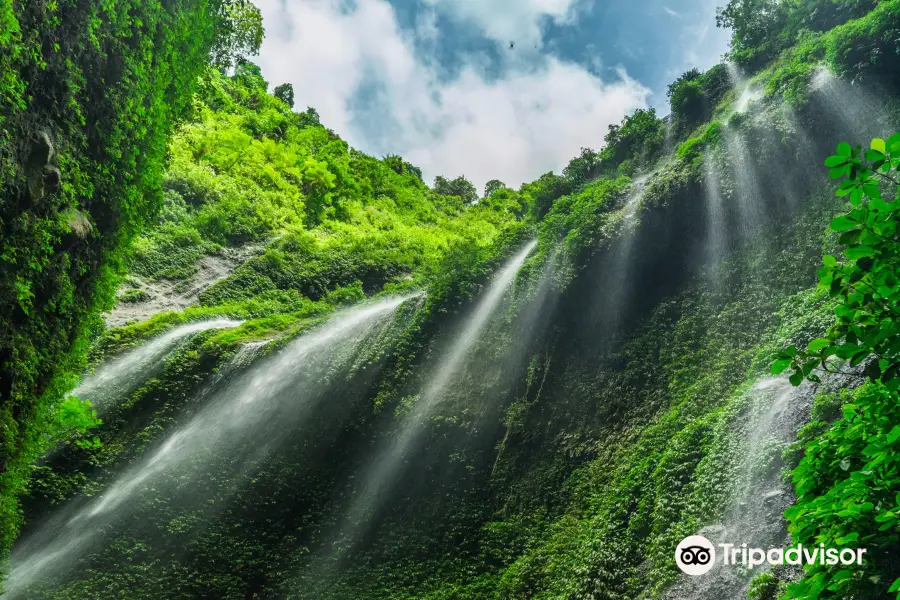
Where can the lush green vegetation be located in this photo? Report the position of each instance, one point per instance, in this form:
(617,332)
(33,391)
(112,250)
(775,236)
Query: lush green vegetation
(764,28)
(607,410)
(248,170)
(847,482)
(89,92)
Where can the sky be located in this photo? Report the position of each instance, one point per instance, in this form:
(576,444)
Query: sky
(489,89)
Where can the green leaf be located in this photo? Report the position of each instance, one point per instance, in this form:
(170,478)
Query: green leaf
(837,173)
(873,370)
(835,161)
(796,378)
(874,155)
(779,366)
(891,373)
(850,237)
(857,252)
(894,435)
(895,586)
(818,344)
(865,264)
(858,357)
(842,223)
(829,260)
(844,149)
(880,205)
(878,145)
(846,187)
(847,351)
(893,144)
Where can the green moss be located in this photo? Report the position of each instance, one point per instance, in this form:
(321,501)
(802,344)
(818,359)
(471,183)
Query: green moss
(134,297)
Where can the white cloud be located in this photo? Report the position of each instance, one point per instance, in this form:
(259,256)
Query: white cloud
(532,120)
(508,20)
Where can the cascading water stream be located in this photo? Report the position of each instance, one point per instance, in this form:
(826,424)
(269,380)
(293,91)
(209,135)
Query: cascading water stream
(750,200)
(387,466)
(775,412)
(862,115)
(256,410)
(621,263)
(717,225)
(124,374)
(746,93)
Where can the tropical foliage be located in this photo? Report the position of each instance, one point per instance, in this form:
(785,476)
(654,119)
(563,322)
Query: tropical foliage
(89,92)
(616,402)
(847,483)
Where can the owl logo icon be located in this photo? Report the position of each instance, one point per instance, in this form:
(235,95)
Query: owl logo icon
(695,555)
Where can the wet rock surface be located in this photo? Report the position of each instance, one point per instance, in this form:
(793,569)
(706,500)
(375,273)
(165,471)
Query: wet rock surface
(153,297)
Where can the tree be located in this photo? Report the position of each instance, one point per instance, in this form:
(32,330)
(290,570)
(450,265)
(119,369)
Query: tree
(459,187)
(285,93)
(250,73)
(761,28)
(866,282)
(413,169)
(583,168)
(395,163)
(89,93)
(752,21)
(687,99)
(309,118)
(239,33)
(545,191)
(638,138)
(318,182)
(492,186)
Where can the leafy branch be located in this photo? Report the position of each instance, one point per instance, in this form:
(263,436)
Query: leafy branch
(865,280)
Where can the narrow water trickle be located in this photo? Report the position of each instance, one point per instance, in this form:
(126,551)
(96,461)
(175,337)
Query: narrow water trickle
(619,274)
(244,418)
(388,465)
(122,375)
(749,196)
(716,218)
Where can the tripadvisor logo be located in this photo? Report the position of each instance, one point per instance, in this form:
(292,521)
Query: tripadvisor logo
(696,555)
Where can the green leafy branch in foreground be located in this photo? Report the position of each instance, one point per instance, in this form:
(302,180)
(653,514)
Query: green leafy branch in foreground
(866,283)
(848,481)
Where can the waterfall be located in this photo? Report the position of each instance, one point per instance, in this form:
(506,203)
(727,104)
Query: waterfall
(620,277)
(746,93)
(247,417)
(124,374)
(749,196)
(387,466)
(774,411)
(861,114)
(717,225)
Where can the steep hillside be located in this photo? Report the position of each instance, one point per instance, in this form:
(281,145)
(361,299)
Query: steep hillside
(88,95)
(381,389)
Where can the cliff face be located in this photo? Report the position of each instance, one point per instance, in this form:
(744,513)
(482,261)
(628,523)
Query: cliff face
(88,95)
(547,421)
